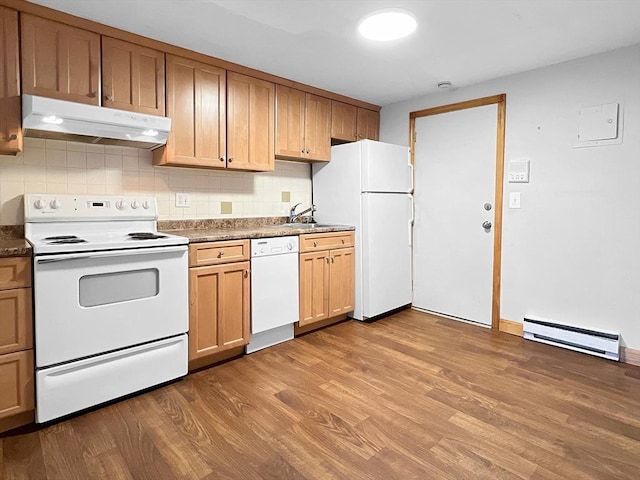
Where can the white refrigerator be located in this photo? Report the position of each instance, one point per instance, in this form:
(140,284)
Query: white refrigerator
(368,184)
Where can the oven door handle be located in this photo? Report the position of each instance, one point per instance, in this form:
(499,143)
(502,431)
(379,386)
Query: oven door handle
(114,253)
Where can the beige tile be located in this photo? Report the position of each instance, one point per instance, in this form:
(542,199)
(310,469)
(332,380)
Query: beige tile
(95,160)
(113,178)
(38,187)
(77,188)
(161,180)
(56,158)
(34,156)
(30,142)
(113,150)
(130,151)
(96,177)
(146,179)
(56,188)
(130,163)
(35,174)
(91,148)
(76,147)
(56,176)
(145,164)
(76,159)
(96,189)
(113,161)
(56,145)
(11,173)
(76,175)
(130,179)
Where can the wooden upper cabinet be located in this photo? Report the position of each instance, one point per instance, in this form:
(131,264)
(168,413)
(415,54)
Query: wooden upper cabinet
(303,125)
(317,131)
(10,107)
(343,121)
(60,61)
(250,123)
(132,77)
(196,95)
(368,124)
(290,115)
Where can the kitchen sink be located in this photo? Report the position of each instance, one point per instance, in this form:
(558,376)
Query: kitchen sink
(304,226)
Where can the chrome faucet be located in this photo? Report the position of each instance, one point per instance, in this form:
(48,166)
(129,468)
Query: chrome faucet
(294,217)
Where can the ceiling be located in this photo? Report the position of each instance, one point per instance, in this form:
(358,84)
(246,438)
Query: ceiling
(316,41)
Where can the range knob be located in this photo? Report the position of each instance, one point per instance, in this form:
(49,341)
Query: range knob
(146,205)
(39,204)
(121,204)
(135,204)
(55,204)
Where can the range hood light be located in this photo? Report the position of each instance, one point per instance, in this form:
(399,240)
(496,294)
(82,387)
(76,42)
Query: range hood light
(52,119)
(150,133)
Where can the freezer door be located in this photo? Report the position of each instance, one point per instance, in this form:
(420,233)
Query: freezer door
(386,168)
(386,252)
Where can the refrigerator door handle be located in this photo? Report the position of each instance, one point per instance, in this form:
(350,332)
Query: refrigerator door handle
(412,176)
(412,217)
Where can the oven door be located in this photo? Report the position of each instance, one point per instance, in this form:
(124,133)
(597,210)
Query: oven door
(95,302)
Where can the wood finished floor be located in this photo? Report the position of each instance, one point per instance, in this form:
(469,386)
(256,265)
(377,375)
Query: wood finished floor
(409,397)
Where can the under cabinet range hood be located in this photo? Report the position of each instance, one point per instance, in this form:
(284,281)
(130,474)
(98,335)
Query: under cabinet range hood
(61,120)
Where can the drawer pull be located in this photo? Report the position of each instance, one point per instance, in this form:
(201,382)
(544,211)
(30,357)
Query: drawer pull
(315,244)
(220,253)
(343,241)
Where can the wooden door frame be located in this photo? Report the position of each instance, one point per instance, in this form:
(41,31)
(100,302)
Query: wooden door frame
(501,102)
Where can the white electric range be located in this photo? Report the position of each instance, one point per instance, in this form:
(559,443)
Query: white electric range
(110,299)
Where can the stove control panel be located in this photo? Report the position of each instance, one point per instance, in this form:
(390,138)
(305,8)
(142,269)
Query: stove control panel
(78,208)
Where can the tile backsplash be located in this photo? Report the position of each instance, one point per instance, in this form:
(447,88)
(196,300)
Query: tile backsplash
(53,166)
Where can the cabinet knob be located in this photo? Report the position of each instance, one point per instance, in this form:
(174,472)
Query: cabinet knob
(307,150)
(222,159)
(220,253)
(10,138)
(91,95)
(109,97)
(230,159)
(328,260)
(246,273)
(302,151)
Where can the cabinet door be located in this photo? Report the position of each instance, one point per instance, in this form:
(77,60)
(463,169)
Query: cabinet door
(341,281)
(317,131)
(343,121)
(16,383)
(16,320)
(368,124)
(314,287)
(132,77)
(60,61)
(10,108)
(290,115)
(196,104)
(219,300)
(250,123)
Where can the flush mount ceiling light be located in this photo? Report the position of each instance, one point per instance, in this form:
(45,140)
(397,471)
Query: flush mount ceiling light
(386,25)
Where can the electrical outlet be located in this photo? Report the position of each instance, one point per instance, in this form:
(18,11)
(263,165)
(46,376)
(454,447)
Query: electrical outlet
(183,200)
(514,200)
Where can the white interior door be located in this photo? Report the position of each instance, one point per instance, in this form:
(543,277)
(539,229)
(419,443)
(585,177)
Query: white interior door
(455,161)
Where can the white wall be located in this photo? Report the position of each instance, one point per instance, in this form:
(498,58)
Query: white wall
(52,166)
(572,252)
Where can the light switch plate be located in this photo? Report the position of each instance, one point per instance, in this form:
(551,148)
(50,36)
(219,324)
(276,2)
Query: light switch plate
(514,200)
(183,200)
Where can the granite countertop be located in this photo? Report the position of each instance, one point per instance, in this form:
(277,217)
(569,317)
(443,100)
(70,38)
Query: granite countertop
(241,228)
(12,242)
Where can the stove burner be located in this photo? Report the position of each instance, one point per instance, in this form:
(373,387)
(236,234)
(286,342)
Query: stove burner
(61,237)
(65,241)
(145,236)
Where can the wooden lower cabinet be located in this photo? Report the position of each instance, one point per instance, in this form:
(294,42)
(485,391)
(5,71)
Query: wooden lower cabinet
(16,343)
(327,278)
(16,383)
(219,308)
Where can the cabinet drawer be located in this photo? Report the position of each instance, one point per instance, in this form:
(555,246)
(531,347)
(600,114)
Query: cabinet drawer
(212,253)
(16,383)
(15,272)
(326,241)
(16,320)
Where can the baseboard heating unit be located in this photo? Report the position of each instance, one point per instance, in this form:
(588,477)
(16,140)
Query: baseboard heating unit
(601,343)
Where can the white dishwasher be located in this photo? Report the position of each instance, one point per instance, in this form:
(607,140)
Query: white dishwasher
(274,291)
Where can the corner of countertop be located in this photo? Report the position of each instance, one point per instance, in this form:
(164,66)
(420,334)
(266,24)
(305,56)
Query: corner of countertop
(12,242)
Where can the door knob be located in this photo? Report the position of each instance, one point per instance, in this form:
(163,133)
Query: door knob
(486,225)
